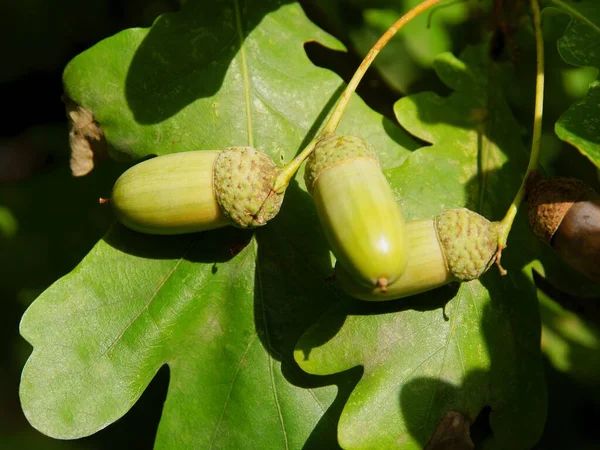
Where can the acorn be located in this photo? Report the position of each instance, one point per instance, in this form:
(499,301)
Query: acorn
(357,209)
(197,191)
(565,214)
(458,245)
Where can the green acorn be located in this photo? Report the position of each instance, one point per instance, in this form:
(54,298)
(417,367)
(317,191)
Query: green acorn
(197,191)
(357,209)
(457,245)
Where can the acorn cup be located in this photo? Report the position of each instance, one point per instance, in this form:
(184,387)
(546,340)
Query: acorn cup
(565,214)
(198,191)
(457,245)
(357,209)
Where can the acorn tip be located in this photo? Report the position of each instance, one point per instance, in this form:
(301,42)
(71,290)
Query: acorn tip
(382,284)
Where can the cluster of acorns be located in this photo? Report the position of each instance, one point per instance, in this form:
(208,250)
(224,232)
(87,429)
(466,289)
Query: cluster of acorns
(379,256)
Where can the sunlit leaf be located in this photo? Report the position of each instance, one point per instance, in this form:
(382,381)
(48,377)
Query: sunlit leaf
(222,309)
(457,348)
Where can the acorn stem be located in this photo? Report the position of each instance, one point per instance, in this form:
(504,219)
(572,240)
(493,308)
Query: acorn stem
(507,221)
(289,170)
(340,107)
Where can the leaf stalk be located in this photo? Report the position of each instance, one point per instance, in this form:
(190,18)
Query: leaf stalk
(507,221)
(288,171)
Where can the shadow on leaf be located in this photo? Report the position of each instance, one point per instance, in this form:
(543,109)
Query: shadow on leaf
(330,323)
(506,385)
(214,246)
(291,291)
(182,58)
(422,396)
(292,279)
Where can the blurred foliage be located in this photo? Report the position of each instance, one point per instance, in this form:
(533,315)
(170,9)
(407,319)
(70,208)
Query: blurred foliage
(406,62)
(572,348)
(564,85)
(580,125)
(49,221)
(53,220)
(571,344)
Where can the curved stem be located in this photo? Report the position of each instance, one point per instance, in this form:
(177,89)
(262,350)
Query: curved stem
(506,223)
(336,116)
(288,171)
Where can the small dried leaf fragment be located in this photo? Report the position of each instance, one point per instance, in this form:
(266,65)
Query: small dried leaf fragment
(451,433)
(86,139)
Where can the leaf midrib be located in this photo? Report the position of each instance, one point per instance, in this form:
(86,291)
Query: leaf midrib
(245,76)
(449,338)
(269,346)
(147,304)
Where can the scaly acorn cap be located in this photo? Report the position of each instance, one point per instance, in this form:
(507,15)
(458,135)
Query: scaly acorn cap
(243,183)
(333,150)
(469,241)
(549,201)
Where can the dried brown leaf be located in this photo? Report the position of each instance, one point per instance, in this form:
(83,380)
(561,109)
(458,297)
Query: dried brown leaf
(86,139)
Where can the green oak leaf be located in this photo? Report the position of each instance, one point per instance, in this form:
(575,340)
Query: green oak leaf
(100,336)
(222,309)
(580,124)
(210,77)
(457,348)
(579,45)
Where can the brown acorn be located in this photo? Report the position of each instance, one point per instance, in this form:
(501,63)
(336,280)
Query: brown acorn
(565,214)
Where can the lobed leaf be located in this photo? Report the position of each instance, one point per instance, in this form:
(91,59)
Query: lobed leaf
(462,347)
(213,76)
(409,56)
(222,309)
(580,124)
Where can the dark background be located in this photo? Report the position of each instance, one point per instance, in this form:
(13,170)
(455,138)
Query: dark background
(50,220)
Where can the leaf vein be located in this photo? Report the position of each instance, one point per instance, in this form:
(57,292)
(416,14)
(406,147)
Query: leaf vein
(147,304)
(246,78)
(235,375)
(446,346)
(269,349)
